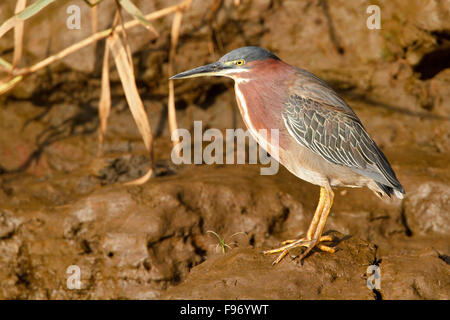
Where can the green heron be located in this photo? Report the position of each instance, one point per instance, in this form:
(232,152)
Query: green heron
(321,140)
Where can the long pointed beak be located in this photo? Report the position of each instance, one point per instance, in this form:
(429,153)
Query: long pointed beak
(212,69)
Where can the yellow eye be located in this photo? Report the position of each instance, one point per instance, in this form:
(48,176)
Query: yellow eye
(239,62)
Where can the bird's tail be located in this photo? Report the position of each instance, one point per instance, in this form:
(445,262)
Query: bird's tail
(398,191)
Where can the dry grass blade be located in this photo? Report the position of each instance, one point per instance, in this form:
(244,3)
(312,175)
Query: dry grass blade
(175,33)
(104,105)
(18,34)
(142,179)
(132,95)
(23,15)
(137,14)
(125,37)
(176,25)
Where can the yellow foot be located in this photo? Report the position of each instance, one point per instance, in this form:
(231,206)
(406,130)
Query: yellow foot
(309,244)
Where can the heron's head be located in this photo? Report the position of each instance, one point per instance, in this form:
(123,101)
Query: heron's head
(235,64)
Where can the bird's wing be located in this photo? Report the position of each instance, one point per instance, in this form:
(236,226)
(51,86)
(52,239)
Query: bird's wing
(307,84)
(319,121)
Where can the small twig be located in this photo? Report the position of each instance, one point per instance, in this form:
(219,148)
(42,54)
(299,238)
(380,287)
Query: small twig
(171,100)
(5,65)
(94,19)
(104,105)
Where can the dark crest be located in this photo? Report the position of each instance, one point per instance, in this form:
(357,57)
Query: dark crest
(249,54)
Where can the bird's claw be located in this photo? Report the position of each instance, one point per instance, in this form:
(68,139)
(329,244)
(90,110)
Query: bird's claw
(309,244)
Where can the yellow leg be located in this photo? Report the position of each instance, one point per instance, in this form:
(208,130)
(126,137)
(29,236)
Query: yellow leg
(313,226)
(322,239)
(314,234)
(326,248)
(324,216)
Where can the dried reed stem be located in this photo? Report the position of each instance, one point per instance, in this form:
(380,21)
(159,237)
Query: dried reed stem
(174,36)
(18,34)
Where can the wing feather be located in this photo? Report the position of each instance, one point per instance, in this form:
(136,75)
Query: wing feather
(337,135)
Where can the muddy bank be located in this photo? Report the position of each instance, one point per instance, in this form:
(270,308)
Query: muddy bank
(152,241)
(245,274)
(60,205)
